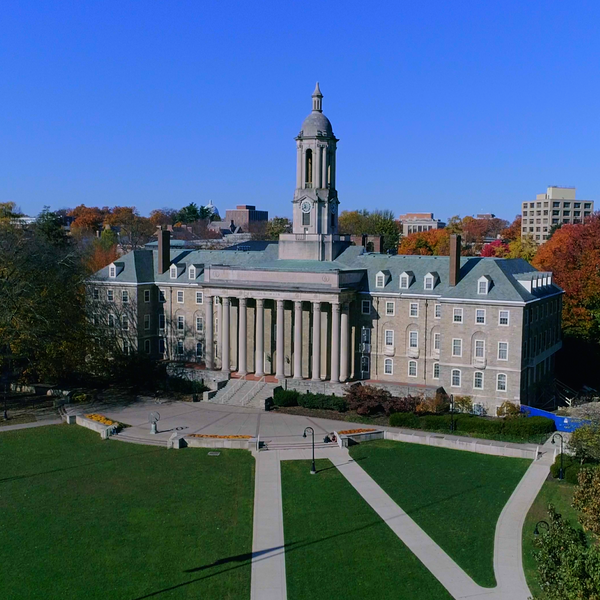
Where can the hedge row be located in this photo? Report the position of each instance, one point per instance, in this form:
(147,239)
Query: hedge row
(294,398)
(518,427)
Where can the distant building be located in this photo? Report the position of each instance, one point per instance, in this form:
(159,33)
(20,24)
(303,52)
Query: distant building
(485,216)
(244,215)
(556,206)
(415,222)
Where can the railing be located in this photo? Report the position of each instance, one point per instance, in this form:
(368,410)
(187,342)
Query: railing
(229,393)
(252,391)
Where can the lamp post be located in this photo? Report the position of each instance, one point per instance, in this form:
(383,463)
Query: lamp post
(313,469)
(561,472)
(452,413)
(538,526)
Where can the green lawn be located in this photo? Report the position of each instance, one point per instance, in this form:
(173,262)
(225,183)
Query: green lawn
(338,547)
(553,492)
(455,496)
(83,519)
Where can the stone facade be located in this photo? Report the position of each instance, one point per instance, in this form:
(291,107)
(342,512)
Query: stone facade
(320,312)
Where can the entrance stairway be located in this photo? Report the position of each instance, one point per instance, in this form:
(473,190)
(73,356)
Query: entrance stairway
(246,393)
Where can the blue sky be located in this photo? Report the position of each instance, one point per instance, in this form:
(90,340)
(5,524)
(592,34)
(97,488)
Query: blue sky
(453,107)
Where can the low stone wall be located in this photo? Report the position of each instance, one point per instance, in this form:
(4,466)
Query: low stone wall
(454,443)
(339,389)
(345,440)
(105,431)
(194,442)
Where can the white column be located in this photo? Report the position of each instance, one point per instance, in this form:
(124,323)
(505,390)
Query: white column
(297,339)
(210,348)
(242,332)
(317,167)
(225,315)
(335,342)
(299,182)
(279,369)
(344,343)
(259,353)
(316,342)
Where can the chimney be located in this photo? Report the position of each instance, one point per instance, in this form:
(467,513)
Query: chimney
(164,251)
(454,260)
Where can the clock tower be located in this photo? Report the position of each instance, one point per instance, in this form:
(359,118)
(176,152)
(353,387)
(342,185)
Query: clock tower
(315,203)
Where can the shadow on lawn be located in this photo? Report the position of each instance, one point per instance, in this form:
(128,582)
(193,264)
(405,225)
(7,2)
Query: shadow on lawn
(16,477)
(244,559)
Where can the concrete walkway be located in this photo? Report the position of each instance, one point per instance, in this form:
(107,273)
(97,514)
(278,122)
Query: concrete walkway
(29,425)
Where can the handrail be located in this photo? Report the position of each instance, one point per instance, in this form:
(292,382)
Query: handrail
(233,390)
(252,391)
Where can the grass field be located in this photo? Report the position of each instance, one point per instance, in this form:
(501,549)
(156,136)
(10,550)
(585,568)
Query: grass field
(454,496)
(553,492)
(85,519)
(338,547)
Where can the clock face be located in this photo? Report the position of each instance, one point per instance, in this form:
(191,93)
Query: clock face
(306,206)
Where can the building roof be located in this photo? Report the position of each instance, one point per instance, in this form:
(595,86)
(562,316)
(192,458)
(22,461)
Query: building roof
(316,124)
(510,279)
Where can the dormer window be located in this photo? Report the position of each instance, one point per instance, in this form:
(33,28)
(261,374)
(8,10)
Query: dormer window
(406,279)
(192,272)
(483,285)
(112,271)
(430,280)
(380,280)
(173,271)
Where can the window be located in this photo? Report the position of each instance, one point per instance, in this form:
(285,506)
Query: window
(112,271)
(428,284)
(199,324)
(501,382)
(482,287)
(480,316)
(199,297)
(96,294)
(111,320)
(124,296)
(438,311)
(478,380)
(414,309)
(404,282)
(502,350)
(146,322)
(161,321)
(456,347)
(479,348)
(161,345)
(173,272)
(455,382)
(125,322)
(364,364)
(503,317)
(199,352)
(365,335)
(413,339)
(412,368)
(389,337)
(458,315)
(192,272)
(380,280)
(388,366)
(180,297)
(125,347)
(180,323)
(366,307)
(110,295)
(161,296)
(437,338)
(179,348)
(147,346)
(390,308)
(146,295)
(436,370)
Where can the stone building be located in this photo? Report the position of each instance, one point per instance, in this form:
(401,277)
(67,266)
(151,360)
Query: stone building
(417,222)
(316,310)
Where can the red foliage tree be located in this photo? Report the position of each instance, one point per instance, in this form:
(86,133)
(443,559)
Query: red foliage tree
(435,242)
(496,248)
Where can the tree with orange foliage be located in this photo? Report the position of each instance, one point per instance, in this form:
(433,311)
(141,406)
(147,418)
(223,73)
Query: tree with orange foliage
(102,251)
(435,242)
(496,248)
(135,231)
(88,220)
(573,256)
(513,231)
(163,216)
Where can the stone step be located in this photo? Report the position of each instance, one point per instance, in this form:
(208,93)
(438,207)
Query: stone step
(139,440)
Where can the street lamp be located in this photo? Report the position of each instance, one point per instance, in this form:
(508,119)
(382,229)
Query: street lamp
(452,413)
(538,526)
(561,472)
(313,469)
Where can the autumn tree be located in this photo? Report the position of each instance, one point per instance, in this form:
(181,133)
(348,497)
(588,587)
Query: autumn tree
(377,222)
(87,220)
(435,242)
(513,231)
(160,217)
(497,248)
(9,210)
(276,226)
(135,231)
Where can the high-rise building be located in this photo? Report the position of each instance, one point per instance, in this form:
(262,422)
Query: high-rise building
(557,206)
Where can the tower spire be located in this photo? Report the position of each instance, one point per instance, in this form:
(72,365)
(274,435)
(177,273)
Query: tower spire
(317,99)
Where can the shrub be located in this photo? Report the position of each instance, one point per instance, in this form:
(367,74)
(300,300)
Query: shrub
(283,397)
(183,385)
(367,399)
(437,405)
(402,419)
(472,424)
(509,409)
(529,426)
(585,442)
(571,468)
(322,401)
(463,404)
(403,404)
